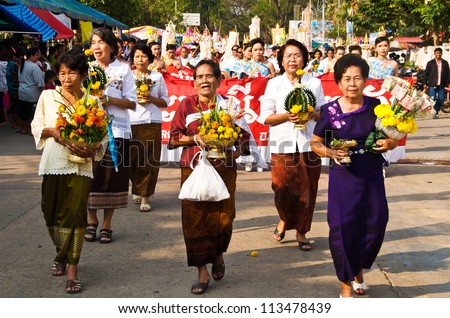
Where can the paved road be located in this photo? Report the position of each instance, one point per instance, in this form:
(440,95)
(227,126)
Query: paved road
(147,257)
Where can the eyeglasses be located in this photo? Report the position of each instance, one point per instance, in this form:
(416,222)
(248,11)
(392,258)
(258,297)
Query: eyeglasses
(69,75)
(240,52)
(203,78)
(294,56)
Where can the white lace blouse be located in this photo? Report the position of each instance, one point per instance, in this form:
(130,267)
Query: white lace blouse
(55,157)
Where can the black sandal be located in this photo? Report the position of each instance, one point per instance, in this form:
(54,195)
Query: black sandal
(105,236)
(59,268)
(91,230)
(73,286)
(218,271)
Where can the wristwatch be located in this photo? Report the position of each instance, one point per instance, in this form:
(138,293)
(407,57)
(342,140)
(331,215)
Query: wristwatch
(107,98)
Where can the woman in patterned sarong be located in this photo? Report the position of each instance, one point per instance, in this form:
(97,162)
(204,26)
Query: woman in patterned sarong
(65,184)
(207,226)
(295,169)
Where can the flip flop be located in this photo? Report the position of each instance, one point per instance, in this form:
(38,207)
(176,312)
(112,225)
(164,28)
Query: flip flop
(280,235)
(218,271)
(199,288)
(304,246)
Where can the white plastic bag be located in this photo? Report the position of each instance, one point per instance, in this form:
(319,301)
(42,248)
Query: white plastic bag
(204,183)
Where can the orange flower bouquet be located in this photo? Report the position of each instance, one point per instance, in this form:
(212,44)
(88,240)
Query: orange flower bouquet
(83,124)
(218,129)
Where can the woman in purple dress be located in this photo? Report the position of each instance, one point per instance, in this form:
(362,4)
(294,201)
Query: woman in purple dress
(357,204)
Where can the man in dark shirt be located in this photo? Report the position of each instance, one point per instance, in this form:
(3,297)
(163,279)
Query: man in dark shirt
(437,77)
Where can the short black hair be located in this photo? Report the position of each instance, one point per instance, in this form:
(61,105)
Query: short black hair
(145,49)
(215,67)
(108,36)
(171,47)
(438,49)
(354,48)
(74,61)
(303,51)
(255,41)
(348,60)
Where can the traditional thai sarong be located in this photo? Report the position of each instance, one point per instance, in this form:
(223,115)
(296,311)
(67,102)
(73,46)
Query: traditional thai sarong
(145,159)
(109,189)
(207,226)
(64,199)
(295,181)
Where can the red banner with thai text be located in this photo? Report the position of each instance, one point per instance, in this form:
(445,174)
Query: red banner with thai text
(248,91)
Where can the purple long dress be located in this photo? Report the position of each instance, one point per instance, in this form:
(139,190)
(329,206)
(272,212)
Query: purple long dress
(357,205)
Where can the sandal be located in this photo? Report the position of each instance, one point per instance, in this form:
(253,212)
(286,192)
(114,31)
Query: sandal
(199,288)
(105,236)
(73,286)
(279,234)
(91,232)
(137,199)
(145,207)
(359,288)
(59,268)
(218,271)
(304,246)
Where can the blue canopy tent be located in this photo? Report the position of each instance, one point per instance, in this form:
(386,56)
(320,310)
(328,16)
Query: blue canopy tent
(22,17)
(73,9)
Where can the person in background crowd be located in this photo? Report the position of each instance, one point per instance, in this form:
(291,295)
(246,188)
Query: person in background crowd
(312,68)
(119,55)
(340,51)
(49,79)
(146,123)
(295,169)
(274,58)
(65,184)
(31,84)
(381,66)
(158,64)
(109,189)
(52,57)
(357,205)
(12,76)
(184,56)
(171,58)
(437,77)
(207,226)
(194,56)
(327,59)
(258,65)
(355,49)
(3,85)
(129,46)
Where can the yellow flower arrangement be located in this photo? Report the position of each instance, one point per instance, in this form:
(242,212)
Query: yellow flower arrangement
(218,129)
(300,101)
(395,116)
(397,120)
(84,123)
(144,84)
(96,77)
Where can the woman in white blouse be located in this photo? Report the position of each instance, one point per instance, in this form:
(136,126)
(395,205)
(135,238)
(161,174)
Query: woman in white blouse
(65,184)
(295,168)
(109,189)
(146,123)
